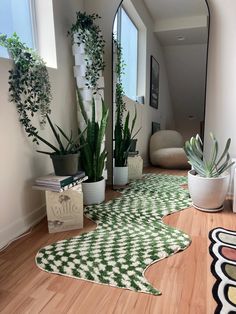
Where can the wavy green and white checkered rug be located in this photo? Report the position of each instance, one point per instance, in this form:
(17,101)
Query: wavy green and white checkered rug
(130,236)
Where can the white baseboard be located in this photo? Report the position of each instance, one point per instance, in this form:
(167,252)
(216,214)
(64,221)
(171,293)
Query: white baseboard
(21,225)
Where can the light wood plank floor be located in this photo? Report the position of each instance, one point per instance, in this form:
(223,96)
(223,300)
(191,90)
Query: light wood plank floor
(184,279)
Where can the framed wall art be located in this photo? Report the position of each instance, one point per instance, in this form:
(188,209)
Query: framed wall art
(154,83)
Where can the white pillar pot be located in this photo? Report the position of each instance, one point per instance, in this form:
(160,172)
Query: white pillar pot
(79,70)
(208,194)
(120,176)
(93,192)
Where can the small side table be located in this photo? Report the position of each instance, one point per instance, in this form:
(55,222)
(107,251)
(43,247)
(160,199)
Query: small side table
(65,210)
(135,167)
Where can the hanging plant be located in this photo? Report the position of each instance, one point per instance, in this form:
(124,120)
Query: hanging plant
(123,131)
(29,85)
(119,92)
(89,34)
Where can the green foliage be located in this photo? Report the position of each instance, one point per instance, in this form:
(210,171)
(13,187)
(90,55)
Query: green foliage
(213,167)
(123,137)
(119,70)
(29,85)
(71,145)
(123,134)
(89,34)
(92,156)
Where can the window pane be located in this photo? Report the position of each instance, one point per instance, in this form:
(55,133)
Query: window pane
(129,43)
(15,16)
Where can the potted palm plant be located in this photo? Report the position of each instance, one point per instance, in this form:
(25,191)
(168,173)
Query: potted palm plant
(65,156)
(93,155)
(208,180)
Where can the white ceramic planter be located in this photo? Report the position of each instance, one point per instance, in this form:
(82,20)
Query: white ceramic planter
(87,94)
(93,192)
(80,81)
(80,59)
(120,176)
(79,70)
(208,194)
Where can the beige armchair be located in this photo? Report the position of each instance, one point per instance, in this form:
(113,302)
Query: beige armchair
(166,150)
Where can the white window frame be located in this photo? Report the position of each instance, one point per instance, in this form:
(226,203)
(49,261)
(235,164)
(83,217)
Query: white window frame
(119,39)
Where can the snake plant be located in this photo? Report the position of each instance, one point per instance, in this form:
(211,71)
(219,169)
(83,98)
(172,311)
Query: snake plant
(215,165)
(92,155)
(123,137)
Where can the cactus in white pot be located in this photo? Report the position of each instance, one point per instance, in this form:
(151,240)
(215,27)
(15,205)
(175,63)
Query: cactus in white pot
(208,180)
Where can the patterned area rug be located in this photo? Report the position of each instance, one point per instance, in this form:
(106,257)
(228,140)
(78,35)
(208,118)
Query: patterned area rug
(223,251)
(130,236)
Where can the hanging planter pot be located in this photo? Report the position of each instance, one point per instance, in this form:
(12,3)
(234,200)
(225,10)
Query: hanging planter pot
(79,70)
(81,81)
(65,165)
(93,192)
(87,94)
(120,176)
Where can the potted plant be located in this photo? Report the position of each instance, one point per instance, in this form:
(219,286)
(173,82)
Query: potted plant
(65,156)
(29,84)
(88,36)
(93,156)
(208,180)
(123,132)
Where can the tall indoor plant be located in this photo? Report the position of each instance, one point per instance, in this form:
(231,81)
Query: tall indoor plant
(93,155)
(123,133)
(208,180)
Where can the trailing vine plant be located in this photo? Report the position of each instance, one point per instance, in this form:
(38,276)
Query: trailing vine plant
(123,132)
(89,34)
(29,84)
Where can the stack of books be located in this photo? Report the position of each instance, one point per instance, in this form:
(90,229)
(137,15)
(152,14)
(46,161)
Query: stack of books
(58,183)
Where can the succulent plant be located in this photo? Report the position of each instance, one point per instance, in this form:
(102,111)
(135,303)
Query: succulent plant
(215,165)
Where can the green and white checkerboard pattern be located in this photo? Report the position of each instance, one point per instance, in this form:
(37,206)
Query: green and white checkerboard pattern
(130,236)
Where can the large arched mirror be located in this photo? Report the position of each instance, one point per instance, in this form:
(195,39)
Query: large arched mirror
(159,74)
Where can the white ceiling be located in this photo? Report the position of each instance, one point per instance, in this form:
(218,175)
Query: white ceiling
(179,18)
(165,9)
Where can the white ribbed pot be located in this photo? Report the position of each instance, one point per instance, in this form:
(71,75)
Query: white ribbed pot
(93,192)
(120,176)
(208,194)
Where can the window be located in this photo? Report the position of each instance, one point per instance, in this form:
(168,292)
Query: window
(16,16)
(127,34)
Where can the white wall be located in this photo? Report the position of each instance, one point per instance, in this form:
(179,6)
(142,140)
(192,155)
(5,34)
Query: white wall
(146,114)
(20,163)
(221,91)
(186,68)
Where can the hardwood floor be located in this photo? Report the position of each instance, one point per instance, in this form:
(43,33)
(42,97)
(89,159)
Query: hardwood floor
(184,278)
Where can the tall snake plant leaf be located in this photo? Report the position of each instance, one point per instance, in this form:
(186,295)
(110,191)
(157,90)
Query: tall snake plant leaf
(81,105)
(57,136)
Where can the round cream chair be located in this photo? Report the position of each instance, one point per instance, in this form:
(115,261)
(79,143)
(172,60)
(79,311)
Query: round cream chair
(166,150)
